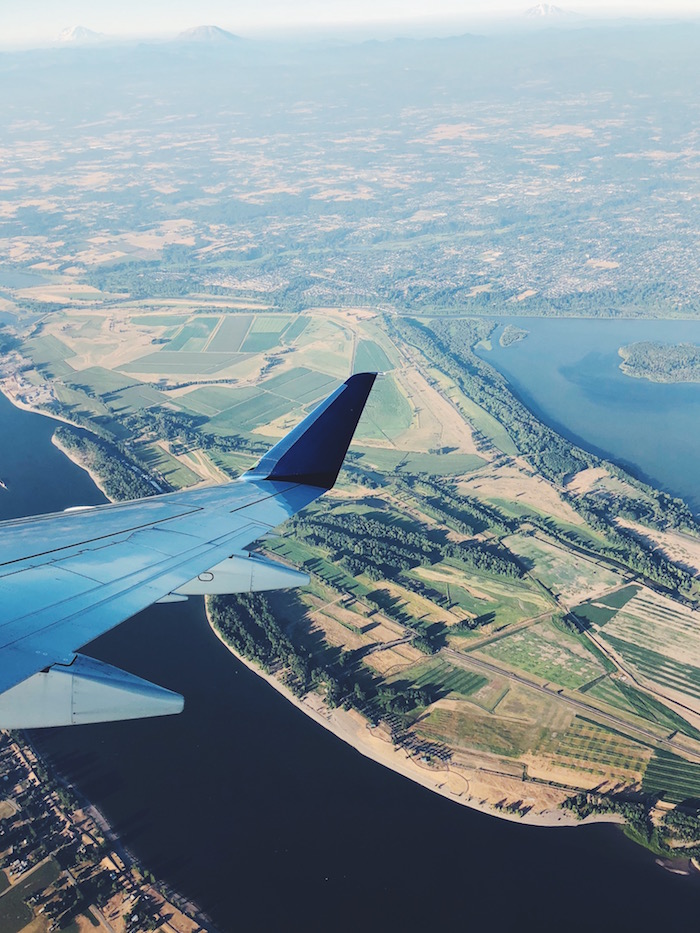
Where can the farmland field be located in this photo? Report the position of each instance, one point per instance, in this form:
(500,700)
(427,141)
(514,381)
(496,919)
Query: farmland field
(560,570)
(675,779)
(369,357)
(589,746)
(181,362)
(194,335)
(663,670)
(442,677)
(230,335)
(547,653)
(388,412)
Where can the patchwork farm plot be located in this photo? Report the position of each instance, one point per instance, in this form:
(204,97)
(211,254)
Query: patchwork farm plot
(673,778)
(591,748)
(548,653)
(633,618)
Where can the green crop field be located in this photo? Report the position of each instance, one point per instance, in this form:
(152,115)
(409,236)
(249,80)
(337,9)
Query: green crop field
(655,620)
(441,677)
(258,343)
(47,349)
(670,776)
(211,400)
(181,363)
(592,614)
(80,400)
(249,414)
(134,398)
(100,380)
(369,357)
(159,320)
(296,328)
(620,597)
(176,473)
(194,335)
(270,323)
(657,667)
(300,385)
(547,653)
(388,412)
(230,335)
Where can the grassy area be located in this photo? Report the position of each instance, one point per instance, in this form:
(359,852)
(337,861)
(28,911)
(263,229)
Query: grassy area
(14,913)
(472,728)
(672,778)
(134,398)
(591,614)
(476,416)
(99,380)
(547,653)
(557,567)
(80,401)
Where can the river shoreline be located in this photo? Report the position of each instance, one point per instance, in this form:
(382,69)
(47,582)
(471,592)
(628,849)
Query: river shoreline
(350,727)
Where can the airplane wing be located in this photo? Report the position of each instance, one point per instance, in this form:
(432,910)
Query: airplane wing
(66,578)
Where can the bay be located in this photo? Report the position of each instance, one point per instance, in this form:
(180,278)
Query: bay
(272,823)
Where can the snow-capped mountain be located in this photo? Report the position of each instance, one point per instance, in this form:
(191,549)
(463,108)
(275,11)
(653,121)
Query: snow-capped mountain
(541,10)
(207,34)
(80,35)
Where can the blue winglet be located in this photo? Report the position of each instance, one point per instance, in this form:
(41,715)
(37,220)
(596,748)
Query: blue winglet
(313,452)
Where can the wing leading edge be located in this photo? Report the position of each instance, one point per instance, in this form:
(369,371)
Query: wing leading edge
(65,579)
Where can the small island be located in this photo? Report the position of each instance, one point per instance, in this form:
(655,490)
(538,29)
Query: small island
(660,362)
(512,334)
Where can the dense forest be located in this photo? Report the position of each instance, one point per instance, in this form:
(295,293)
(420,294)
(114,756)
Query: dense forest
(660,362)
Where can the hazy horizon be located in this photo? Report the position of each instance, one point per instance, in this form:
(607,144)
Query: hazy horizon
(41,22)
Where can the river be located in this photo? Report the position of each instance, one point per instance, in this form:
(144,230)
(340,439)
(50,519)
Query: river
(568,372)
(271,823)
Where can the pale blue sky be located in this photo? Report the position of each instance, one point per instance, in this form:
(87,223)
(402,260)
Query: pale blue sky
(42,20)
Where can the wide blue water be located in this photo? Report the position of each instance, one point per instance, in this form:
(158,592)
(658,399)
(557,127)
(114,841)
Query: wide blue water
(272,823)
(567,371)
